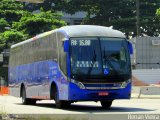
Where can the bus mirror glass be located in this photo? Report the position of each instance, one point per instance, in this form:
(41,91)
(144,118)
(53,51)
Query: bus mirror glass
(66,46)
(130,47)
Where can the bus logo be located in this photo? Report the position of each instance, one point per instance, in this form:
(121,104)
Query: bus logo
(106,71)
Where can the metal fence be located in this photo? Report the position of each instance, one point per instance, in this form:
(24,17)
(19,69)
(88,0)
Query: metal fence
(146,52)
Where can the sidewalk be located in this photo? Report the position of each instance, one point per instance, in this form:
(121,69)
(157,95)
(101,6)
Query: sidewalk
(152,92)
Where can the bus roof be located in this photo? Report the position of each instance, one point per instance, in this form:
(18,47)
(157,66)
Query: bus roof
(79,31)
(91,30)
(34,38)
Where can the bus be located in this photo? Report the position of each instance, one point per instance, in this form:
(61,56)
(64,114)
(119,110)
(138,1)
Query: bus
(70,64)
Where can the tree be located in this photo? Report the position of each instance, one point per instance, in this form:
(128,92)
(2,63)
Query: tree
(158,19)
(11,10)
(3,24)
(33,24)
(17,24)
(149,23)
(10,37)
(47,5)
(119,14)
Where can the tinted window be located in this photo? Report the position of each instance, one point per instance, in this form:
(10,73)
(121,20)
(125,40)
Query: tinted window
(99,56)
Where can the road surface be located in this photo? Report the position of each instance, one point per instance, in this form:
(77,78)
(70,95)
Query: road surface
(12,105)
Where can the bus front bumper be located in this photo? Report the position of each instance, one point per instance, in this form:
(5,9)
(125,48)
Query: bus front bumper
(77,94)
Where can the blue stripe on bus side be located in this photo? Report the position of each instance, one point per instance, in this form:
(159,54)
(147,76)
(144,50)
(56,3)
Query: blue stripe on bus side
(39,81)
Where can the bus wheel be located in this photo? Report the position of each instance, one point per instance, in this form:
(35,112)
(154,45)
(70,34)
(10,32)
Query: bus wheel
(61,103)
(25,101)
(106,104)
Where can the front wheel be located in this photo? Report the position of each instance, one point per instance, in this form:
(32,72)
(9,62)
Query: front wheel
(61,103)
(106,104)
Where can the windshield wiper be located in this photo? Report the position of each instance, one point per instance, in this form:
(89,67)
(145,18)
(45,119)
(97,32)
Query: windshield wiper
(93,60)
(106,59)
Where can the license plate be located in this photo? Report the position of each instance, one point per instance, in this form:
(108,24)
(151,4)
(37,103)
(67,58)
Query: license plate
(103,93)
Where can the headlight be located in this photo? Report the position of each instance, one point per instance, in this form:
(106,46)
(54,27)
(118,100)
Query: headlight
(79,84)
(125,83)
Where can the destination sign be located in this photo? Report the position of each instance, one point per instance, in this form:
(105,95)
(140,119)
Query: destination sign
(80,42)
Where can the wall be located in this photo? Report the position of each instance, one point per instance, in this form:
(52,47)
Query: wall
(147,55)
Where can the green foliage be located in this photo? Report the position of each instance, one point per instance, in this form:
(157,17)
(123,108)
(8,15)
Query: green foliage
(121,14)
(17,24)
(13,36)
(3,24)
(10,5)
(47,5)
(148,20)
(11,15)
(10,37)
(2,42)
(34,24)
(11,10)
(158,13)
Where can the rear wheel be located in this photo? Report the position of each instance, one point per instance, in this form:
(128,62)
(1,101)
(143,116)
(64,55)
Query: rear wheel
(106,104)
(61,103)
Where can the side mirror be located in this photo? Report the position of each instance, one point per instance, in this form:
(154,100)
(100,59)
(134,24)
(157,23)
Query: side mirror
(66,45)
(130,47)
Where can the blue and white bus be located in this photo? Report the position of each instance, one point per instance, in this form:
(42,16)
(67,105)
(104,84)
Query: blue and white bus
(70,64)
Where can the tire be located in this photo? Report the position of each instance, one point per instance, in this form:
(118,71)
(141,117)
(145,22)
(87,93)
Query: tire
(106,104)
(61,103)
(27,101)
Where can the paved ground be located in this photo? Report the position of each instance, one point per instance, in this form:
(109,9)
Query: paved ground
(12,105)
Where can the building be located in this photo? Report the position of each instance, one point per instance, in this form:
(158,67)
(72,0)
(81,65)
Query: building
(74,19)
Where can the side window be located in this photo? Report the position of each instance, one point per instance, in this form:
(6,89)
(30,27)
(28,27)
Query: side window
(54,46)
(62,58)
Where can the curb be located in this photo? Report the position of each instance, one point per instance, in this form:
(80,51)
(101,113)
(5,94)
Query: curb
(152,92)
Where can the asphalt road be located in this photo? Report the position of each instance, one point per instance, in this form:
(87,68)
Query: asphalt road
(12,105)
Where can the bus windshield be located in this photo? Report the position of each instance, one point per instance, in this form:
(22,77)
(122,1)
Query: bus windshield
(99,56)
